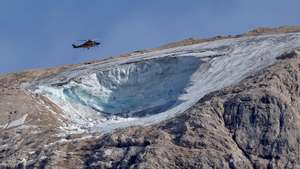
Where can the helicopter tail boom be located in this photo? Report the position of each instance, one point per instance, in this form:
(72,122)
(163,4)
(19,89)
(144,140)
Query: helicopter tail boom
(74,46)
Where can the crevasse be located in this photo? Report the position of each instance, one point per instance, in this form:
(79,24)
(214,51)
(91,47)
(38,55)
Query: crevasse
(135,89)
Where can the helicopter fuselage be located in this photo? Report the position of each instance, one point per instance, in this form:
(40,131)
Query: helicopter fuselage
(88,44)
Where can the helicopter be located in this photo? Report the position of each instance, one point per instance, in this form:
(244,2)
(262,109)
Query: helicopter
(87,44)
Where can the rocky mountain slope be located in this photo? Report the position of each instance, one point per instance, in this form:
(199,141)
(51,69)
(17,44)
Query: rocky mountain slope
(229,102)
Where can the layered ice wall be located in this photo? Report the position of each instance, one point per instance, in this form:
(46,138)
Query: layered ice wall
(148,88)
(138,89)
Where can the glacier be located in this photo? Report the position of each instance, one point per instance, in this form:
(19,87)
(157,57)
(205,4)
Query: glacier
(147,88)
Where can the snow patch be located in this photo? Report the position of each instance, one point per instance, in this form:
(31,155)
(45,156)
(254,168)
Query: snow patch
(18,122)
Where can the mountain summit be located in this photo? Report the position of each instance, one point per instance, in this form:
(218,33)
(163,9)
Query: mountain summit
(222,102)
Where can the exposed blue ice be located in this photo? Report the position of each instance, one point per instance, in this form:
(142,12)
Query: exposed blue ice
(135,89)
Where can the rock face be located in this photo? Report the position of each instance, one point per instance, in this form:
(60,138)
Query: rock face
(251,124)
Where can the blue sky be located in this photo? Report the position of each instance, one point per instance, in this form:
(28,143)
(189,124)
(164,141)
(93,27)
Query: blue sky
(39,34)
